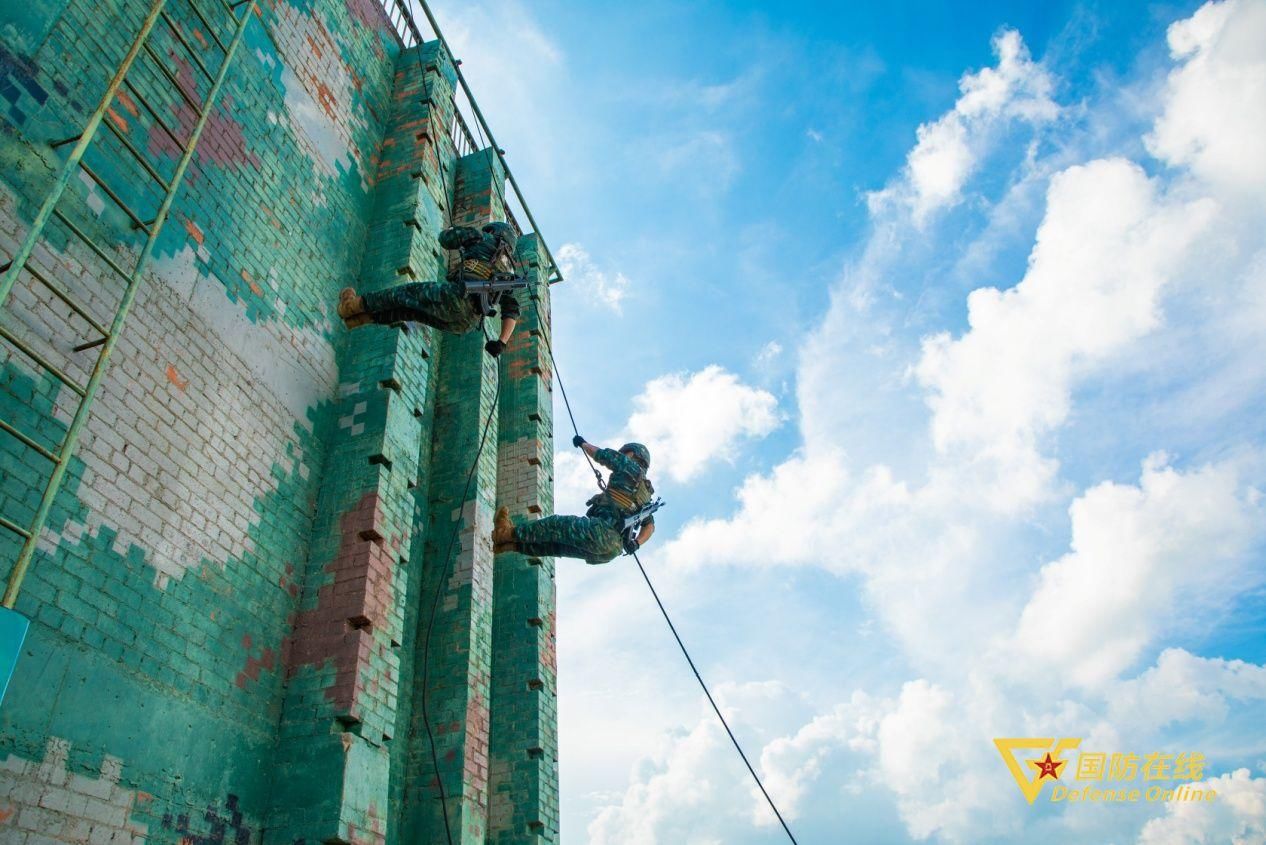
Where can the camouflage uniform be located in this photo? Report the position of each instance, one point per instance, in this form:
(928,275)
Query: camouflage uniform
(594,537)
(445,305)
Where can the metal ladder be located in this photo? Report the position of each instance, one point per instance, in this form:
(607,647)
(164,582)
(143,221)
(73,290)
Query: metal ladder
(59,457)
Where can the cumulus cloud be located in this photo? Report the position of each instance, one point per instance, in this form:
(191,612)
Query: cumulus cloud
(680,794)
(949,148)
(1237,817)
(1214,118)
(695,789)
(596,285)
(1109,244)
(687,420)
(1183,687)
(1136,552)
(965,558)
(691,419)
(791,765)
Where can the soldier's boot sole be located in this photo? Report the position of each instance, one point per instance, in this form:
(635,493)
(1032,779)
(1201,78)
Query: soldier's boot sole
(351,308)
(502,527)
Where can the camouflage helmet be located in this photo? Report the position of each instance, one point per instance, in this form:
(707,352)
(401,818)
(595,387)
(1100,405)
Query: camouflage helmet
(505,235)
(640,453)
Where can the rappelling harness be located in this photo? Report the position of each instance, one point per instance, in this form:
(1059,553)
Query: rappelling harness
(485,283)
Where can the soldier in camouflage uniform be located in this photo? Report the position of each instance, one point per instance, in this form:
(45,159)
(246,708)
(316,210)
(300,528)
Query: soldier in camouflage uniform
(595,537)
(446,305)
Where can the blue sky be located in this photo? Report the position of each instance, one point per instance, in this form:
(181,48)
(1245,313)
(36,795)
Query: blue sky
(945,325)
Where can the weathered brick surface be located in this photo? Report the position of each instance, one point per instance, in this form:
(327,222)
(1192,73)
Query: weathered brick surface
(351,619)
(171,569)
(231,594)
(458,523)
(524,742)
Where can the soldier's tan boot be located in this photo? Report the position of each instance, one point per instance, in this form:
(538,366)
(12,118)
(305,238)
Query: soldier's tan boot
(352,309)
(502,529)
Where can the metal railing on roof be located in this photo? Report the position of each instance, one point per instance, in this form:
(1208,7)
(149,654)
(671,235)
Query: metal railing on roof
(400,13)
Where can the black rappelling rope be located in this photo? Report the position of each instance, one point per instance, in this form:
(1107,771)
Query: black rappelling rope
(601,484)
(685,652)
(715,709)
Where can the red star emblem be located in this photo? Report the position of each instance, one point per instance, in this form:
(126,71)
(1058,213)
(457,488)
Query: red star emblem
(1048,768)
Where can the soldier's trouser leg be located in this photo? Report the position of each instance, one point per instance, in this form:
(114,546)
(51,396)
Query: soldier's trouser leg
(591,540)
(443,305)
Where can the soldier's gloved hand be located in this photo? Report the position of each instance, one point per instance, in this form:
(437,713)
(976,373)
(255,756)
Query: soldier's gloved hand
(578,441)
(494,348)
(631,545)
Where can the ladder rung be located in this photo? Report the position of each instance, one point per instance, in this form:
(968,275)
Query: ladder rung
(101,253)
(175,30)
(92,343)
(72,139)
(162,124)
(136,154)
(175,83)
(207,24)
(42,361)
(15,528)
(66,298)
(28,442)
(140,224)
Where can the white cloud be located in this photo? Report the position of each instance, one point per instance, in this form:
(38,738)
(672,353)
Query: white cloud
(688,420)
(948,553)
(1173,545)
(685,791)
(695,789)
(1183,687)
(1236,817)
(791,765)
(1108,246)
(768,354)
(949,148)
(1214,118)
(595,284)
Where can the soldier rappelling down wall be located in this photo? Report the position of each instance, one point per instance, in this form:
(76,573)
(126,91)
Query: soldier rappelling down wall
(484,278)
(619,518)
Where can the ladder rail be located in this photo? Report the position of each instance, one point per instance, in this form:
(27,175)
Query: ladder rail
(51,488)
(67,172)
(69,300)
(158,121)
(174,29)
(93,245)
(27,441)
(193,4)
(30,352)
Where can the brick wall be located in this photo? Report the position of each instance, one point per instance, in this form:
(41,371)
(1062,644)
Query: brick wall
(229,599)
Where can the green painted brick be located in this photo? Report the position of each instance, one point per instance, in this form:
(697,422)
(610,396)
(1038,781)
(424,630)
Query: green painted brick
(206,654)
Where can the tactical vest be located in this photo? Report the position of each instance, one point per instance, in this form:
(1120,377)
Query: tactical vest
(617,504)
(471,268)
